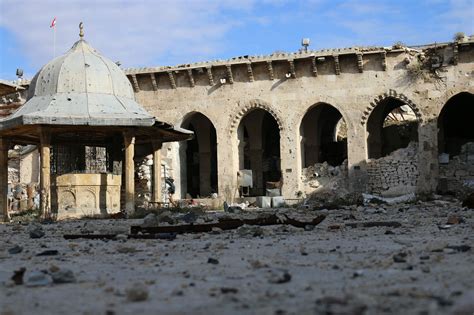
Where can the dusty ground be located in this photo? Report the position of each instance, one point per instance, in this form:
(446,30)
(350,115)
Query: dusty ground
(418,268)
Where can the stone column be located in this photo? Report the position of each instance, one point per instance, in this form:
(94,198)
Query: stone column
(357,157)
(129,144)
(156,196)
(4,180)
(290,161)
(45,174)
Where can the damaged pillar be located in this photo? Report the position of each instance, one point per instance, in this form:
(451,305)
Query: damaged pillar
(156,196)
(4,180)
(129,168)
(45,174)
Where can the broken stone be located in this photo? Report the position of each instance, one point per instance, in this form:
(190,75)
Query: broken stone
(212,261)
(37,279)
(15,249)
(454,219)
(278,276)
(400,257)
(49,252)
(249,230)
(17,277)
(137,292)
(35,230)
(63,276)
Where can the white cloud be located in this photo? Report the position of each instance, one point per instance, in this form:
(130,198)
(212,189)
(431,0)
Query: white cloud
(137,33)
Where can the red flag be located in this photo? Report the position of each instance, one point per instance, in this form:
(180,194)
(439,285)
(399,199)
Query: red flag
(53,23)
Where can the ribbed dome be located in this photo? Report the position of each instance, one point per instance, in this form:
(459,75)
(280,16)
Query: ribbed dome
(81,70)
(80,88)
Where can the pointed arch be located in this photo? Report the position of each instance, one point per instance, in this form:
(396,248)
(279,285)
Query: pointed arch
(248,107)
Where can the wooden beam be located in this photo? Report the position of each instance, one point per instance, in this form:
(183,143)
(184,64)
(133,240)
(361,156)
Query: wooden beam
(337,67)
(153,82)
(136,87)
(230,77)
(129,169)
(270,70)
(156,196)
(4,144)
(314,67)
(45,173)
(292,68)
(384,60)
(250,72)
(209,76)
(360,63)
(191,77)
(172,81)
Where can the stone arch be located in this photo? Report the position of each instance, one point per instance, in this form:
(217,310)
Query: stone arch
(317,129)
(390,94)
(199,177)
(248,107)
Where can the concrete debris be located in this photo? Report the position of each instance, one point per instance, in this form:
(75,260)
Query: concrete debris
(273,268)
(37,279)
(63,276)
(35,230)
(15,249)
(137,292)
(368,198)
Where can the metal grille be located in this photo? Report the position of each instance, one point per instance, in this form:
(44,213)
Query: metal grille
(79,159)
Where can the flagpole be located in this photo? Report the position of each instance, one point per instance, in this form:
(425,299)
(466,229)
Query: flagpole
(54,42)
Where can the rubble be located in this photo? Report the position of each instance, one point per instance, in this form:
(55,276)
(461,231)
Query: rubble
(268,268)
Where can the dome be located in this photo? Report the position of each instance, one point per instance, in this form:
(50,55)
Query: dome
(81,87)
(81,70)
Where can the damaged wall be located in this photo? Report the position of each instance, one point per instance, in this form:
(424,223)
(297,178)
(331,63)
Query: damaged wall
(395,174)
(456,174)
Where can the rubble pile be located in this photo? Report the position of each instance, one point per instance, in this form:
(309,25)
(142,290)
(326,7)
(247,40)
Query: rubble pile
(408,258)
(323,175)
(395,174)
(458,171)
(143,179)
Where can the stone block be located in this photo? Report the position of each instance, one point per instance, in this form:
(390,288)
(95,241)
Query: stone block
(264,202)
(278,202)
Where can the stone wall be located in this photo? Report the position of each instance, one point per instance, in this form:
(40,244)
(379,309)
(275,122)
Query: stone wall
(456,174)
(287,86)
(395,174)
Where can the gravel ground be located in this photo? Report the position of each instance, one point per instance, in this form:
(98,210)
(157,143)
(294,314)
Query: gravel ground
(422,267)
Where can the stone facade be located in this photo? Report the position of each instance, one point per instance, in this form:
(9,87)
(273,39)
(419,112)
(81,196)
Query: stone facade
(360,83)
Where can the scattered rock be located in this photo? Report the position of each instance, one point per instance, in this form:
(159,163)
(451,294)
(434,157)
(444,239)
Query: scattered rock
(126,249)
(400,257)
(35,230)
(49,252)
(250,230)
(454,219)
(460,248)
(137,292)
(63,276)
(436,246)
(150,220)
(17,277)
(15,249)
(278,276)
(37,279)
(212,261)
(229,290)
(121,237)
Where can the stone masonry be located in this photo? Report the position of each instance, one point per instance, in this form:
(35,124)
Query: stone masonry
(355,81)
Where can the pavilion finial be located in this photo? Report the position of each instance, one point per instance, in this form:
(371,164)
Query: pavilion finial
(81,30)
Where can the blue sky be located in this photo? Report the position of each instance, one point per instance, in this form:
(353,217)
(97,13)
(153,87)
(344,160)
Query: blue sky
(153,33)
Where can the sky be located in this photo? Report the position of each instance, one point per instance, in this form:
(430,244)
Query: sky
(147,33)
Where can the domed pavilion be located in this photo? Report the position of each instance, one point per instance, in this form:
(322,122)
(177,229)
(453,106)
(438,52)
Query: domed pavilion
(82,114)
